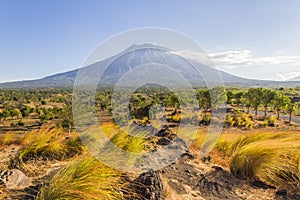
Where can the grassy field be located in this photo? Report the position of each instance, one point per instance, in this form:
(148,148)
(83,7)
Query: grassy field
(257,152)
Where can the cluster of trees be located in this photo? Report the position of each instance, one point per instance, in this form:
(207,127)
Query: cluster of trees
(256,98)
(33,104)
(34,95)
(14,103)
(6,114)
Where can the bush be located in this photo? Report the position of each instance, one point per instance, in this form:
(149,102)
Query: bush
(21,123)
(239,120)
(206,120)
(269,121)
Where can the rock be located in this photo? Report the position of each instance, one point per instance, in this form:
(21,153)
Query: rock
(149,186)
(206,159)
(178,144)
(217,184)
(15,179)
(260,185)
(217,168)
(163,141)
(50,172)
(294,196)
(281,193)
(165,132)
(188,156)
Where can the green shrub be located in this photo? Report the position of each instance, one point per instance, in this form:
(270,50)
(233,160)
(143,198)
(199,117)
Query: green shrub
(21,123)
(269,121)
(206,120)
(239,120)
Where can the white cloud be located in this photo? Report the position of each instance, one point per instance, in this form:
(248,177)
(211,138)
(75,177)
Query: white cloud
(240,58)
(288,76)
(197,56)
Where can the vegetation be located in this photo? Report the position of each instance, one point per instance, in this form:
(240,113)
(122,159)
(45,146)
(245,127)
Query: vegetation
(46,144)
(84,179)
(40,123)
(272,157)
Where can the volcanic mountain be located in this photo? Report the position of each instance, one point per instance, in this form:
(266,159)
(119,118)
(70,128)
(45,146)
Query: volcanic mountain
(131,58)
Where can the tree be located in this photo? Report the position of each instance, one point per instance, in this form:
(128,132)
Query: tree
(291,108)
(5,113)
(238,98)
(14,113)
(43,102)
(255,98)
(267,97)
(280,102)
(218,97)
(25,111)
(67,115)
(246,101)
(204,100)
(230,97)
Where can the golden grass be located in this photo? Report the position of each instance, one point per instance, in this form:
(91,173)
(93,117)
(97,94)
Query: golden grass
(198,140)
(10,138)
(271,156)
(129,143)
(46,144)
(84,179)
(109,129)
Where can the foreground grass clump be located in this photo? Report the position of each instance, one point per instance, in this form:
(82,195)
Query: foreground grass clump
(272,157)
(84,179)
(48,144)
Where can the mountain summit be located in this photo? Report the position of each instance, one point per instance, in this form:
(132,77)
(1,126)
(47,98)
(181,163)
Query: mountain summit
(133,57)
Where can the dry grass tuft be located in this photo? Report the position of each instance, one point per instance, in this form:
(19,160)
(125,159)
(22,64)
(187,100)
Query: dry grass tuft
(84,179)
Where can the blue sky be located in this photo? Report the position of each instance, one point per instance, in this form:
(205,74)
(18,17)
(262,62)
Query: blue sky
(254,39)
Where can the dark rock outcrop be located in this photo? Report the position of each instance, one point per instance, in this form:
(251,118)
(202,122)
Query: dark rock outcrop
(218,184)
(149,186)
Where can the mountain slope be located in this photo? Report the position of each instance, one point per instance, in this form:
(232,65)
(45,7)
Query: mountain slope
(133,57)
(65,79)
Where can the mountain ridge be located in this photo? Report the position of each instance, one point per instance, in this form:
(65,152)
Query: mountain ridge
(137,55)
